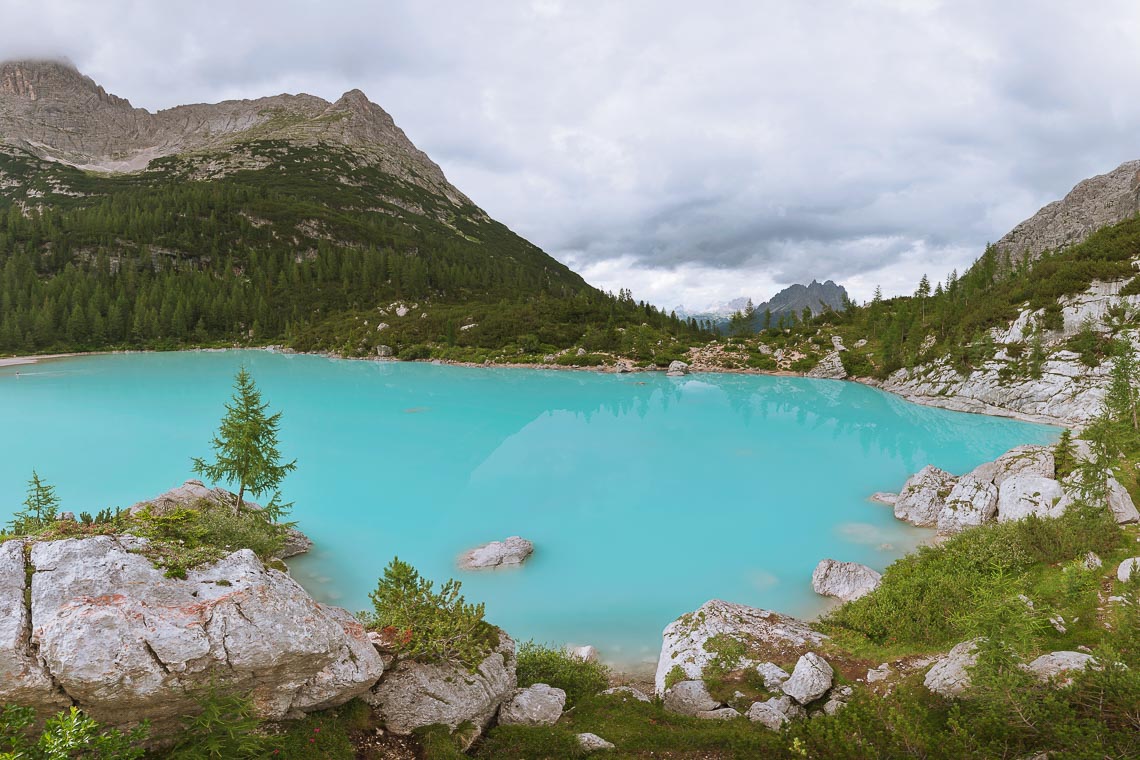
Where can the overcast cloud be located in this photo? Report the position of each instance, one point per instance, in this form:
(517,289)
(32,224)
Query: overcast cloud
(690,151)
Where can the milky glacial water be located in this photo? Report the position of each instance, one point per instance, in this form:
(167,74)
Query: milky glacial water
(645,495)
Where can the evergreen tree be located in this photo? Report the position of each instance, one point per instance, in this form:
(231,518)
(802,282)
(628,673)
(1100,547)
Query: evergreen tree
(1121,397)
(40,508)
(245,447)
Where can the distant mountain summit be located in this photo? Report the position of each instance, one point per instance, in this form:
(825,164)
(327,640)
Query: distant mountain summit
(791,300)
(54,112)
(1094,203)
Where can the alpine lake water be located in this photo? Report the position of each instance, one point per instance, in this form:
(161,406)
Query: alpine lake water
(645,495)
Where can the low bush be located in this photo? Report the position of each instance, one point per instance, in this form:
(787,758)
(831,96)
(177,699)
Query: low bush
(69,735)
(571,359)
(558,668)
(226,728)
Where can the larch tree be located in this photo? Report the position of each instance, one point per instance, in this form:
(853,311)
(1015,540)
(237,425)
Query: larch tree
(245,447)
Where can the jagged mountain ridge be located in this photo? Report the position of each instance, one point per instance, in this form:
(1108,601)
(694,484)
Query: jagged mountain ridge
(793,299)
(1093,203)
(55,112)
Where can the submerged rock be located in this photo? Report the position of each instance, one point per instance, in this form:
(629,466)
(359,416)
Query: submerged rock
(512,551)
(415,694)
(883,497)
(922,498)
(844,580)
(537,705)
(765,634)
(126,643)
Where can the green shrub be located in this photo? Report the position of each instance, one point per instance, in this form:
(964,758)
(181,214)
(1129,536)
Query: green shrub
(415,352)
(587,360)
(327,734)
(40,508)
(762,362)
(227,728)
(558,668)
(69,735)
(806,364)
(857,365)
(438,743)
(427,625)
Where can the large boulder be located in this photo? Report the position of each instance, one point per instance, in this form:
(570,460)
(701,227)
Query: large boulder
(1120,502)
(829,367)
(922,498)
(593,742)
(972,501)
(1055,665)
(1116,496)
(1024,495)
(1128,569)
(126,643)
(677,369)
(511,551)
(537,705)
(810,679)
(415,694)
(766,635)
(772,674)
(1020,460)
(24,680)
(844,580)
(775,712)
(950,675)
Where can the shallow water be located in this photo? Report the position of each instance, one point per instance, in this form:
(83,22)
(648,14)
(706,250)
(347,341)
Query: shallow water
(644,495)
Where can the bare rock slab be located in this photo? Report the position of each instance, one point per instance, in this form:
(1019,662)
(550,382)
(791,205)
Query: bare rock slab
(950,675)
(689,698)
(922,498)
(810,680)
(844,580)
(511,551)
(537,705)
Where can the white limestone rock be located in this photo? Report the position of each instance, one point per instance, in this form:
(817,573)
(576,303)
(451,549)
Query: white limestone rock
(1128,568)
(950,675)
(883,497)
(677,368)
(1020,460)
(829,367)
(768,633)
(127,643)
(776,712)
(773,675)
(511,551)
(1056,664)
(810,680)
(537,705)
(721,713)
(837,699)
(923,497)
(585,653)
(846,581)
(413,694)
(622,366)
(628,692)
(1120,502)
(689,698)
(971,502)
(593,743)
(1024,495)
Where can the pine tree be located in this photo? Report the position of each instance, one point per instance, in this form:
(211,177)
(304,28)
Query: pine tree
(1121,397)
(40,508)
(245,447)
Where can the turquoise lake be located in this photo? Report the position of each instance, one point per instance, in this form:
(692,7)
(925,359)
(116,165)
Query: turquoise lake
(645,496)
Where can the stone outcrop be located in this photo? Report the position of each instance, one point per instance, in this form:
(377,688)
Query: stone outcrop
(677,368)
(810,679)
(413,694)
(971,502)
(775,712)
(1020,460)
(950,675)
(773,674)
(689,698)
(830,367)
(1024,495)
(193,493)
(1094,203)
(1120,502)
(511,551)
(846,581)
(765,634)
(537,705)
(593,742)
(922,498)
(1055,665)
(1127,569)
(125,643)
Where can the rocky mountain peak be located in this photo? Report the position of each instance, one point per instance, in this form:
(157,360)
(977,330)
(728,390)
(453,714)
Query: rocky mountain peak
(1094,203)
(50,79)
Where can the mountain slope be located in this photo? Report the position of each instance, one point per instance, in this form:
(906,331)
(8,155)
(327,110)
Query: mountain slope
(282,219)
(815,296)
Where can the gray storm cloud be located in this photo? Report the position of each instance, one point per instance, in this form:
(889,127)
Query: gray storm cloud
(694,152)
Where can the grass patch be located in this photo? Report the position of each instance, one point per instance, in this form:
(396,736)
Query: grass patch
(558,668)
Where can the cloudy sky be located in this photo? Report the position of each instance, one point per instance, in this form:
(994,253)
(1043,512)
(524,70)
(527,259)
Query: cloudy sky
(692,151)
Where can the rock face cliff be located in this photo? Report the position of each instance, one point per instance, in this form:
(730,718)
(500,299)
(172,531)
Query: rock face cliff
(51,110)
(1094,203)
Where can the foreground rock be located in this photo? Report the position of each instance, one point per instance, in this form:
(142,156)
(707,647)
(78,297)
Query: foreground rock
(810,679)
(125,643)
(593,742)
(1024,495)
(689,698)
(512,551)
(537,705)
(950,675)
(677,369)
(922,498)
(191,495)
(844,580)
(830,367)
(775,712)
(1120,502)
(765,634)
(1054,665)
(1020,460)
(414,694)
(1128,569)
(971,502)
